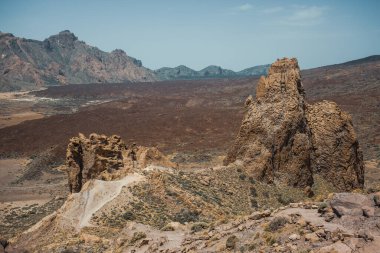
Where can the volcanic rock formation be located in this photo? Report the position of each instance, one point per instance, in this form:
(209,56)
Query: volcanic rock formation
(283,139)
(106,158)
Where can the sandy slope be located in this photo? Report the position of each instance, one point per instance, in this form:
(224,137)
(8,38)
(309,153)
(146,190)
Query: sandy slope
(79,207)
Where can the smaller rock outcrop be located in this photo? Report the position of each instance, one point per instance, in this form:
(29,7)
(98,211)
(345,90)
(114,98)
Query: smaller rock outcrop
(88,158)
(107,158)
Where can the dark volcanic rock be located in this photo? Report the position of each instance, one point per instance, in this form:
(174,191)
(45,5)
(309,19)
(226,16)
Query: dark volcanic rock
(283,139)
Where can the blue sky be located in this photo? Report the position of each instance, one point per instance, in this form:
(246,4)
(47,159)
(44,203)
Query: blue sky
(232,34)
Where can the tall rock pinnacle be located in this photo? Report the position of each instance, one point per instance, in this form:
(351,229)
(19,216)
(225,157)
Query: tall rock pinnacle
(282,139)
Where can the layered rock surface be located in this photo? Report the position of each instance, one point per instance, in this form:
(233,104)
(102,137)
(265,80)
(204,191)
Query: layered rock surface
(285,140)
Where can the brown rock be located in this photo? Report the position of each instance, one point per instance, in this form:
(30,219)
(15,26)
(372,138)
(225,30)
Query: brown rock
(353,204)
(87,158)
(312,237)
(283,139)
(376,198)
(366,235)
(337,247)
(259,215)
(329,216)
(336,156)
(107,158)
(274,140)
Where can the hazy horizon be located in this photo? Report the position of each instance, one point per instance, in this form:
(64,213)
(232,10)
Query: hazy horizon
(235,35)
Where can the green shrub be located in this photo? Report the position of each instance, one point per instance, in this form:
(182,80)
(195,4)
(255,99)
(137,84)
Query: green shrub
(137,236)
(186,215)
(284,199)
(251,247)
(128,215)
(322,206)
(253,191)
(254,203)
(168,227)
(199,226)
(231,242)
(276,224)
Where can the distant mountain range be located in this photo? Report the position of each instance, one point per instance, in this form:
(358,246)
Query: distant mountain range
(62,59)
(183,72)
(27,64)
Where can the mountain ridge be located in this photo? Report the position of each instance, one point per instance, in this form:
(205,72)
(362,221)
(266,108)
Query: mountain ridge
(28,64)
(63,59)
(183,72)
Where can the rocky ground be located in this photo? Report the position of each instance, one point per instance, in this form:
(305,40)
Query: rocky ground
(26,196)
(346,222)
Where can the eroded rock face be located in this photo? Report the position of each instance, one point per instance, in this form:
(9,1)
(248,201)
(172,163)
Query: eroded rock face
(107,158)
(274,139)
(283,139)
(336,155)
(88,158)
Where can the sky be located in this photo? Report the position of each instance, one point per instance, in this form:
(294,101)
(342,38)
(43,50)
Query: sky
(228,33)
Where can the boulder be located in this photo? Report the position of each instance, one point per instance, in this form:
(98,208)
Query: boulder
(337,247)
(282,139)
(353,204)
(376,198)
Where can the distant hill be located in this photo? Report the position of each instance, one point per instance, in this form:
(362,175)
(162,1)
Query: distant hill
(62,59)
(182,72)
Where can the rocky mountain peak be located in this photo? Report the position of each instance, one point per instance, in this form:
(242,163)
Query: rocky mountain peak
(3,35)
(66,34)
(63,59)
(119,52)
(284,65)
(64,39)
(283,79)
